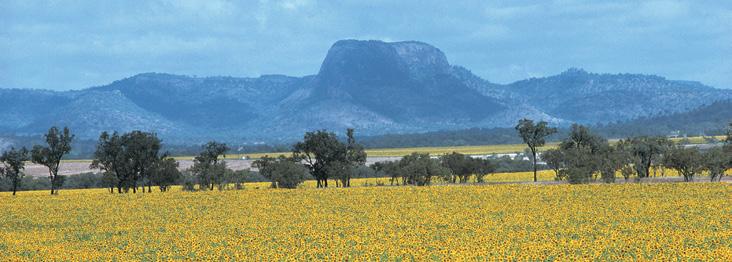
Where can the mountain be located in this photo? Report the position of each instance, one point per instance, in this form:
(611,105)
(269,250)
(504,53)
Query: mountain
(706,120)
(373,86)
(584,97)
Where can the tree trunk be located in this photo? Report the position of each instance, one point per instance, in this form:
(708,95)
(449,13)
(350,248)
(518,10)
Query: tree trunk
(52,181)
(15,185)
(533,152)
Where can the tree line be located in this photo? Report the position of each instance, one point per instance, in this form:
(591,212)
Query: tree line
(585,156)
(134,161)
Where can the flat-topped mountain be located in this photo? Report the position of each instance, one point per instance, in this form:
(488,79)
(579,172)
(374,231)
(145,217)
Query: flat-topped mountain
(374,86)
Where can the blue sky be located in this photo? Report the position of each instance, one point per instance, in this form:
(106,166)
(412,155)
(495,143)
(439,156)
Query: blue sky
(64,45)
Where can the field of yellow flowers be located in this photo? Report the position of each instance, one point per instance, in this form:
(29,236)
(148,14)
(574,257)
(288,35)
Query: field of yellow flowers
(665,221)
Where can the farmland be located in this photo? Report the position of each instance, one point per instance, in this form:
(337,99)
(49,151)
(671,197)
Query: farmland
(235,162)
(468,150)
(667,221)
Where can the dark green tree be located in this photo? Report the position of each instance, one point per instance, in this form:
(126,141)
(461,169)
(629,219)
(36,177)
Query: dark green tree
(143,151)
(482,168)
(644,150)
(319,151)
(554,160)
(165,173)
(206,165)
(59,144)
(534,136)
(461,166)
(389,168)
(109,180)
(583,155)
(419,169)
(111,157)
(130,157)
(14,163)
(686,160)
(716,162)
(355,157)
(282,171)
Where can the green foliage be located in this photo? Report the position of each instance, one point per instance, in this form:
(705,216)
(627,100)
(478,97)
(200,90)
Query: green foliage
(686,160)
(387,168)
(207,168)
(188,181)
(283,172)
(110,180)
(643,151)
(582,155)
(462,167)
(534,135)
(553,159)
(59,144)
(165,173)
(716,161)
(14,162)
(419,169)
(319,150)
(327,157)
(130,157)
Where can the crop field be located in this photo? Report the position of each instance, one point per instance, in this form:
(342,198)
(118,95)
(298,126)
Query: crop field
(468,150)
(662,221)
(397,152)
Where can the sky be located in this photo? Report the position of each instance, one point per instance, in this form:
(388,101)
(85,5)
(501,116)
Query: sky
(63,45)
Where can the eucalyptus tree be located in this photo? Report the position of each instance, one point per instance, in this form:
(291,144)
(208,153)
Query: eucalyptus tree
(583,154)
(282,171)
(58,145)
(534,136)
(644,150)
(461,166)
(110,156)
(355,156)
(143,151)
(554,160)
(130,157)
(686,160)
(419,169)
(390,168)
(207,167)
(165,173)
(320,150)
(716,161)
(14,163)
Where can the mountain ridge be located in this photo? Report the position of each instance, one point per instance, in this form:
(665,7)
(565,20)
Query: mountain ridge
(374,86)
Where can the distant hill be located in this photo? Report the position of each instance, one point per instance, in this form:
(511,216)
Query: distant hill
(706,120)
(709,120)
(376,87)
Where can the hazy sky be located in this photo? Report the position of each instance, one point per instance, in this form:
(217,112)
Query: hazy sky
(76,44)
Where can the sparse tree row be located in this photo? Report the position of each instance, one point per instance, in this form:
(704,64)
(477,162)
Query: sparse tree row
(58,145)
(134,162)
(584,157)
